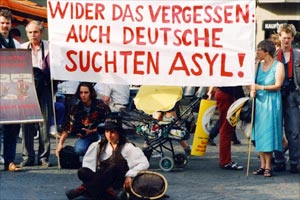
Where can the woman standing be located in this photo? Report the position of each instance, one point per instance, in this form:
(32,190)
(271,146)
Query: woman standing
(267,130)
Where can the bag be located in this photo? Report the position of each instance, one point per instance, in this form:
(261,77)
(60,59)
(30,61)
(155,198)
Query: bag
(68,159)
(148,185)
(234,111)
(246,112)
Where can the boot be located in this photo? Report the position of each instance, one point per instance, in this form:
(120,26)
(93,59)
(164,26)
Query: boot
(74,193)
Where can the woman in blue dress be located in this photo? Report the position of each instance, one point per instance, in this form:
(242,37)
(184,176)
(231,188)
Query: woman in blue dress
(267,128)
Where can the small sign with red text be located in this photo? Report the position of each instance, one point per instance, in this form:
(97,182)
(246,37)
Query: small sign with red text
(185,43)
(18,99)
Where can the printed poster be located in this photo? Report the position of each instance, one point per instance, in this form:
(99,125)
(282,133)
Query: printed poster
(18,99)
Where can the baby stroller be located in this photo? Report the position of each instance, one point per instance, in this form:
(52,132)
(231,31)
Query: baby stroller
(159,135)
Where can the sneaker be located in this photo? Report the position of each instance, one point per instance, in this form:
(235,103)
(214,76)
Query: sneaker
(294,169)
(211,142)
(232,166)
(279,167)
(44,163)
(25,163)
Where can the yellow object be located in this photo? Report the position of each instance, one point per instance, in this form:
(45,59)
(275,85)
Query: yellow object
(206,111)
(233,113)
(157,98)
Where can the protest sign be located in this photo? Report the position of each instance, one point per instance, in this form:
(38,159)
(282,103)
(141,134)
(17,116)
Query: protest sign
(18,99)
(195,43)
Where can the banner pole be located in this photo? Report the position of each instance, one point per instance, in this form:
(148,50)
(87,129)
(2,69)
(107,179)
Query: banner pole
(249,138)
(54,119)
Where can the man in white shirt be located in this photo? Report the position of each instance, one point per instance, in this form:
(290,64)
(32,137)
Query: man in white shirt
(39,51)
(114,95)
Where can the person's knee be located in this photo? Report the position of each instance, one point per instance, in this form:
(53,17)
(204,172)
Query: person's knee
(79,150)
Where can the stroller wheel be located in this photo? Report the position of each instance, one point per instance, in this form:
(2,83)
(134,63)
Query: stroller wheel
(180,160)
(166,163)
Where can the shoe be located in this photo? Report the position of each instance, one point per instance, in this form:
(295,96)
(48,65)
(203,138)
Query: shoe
(187,151)
(232,166)
(294,169)
(279,167)
(211,142)
(44,163)
(268,173)
(259,171)
(1,160)
(236,142)
(74,193)
(12,167)
(25,163)
(55,135)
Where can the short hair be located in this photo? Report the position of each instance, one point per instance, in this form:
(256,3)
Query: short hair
(91,89)
(275,39)
(38,23)
(267,46)
(6,14)
(288,28)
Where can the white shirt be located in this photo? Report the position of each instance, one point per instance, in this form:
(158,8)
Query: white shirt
(134,156)
(37,59)
(118,94)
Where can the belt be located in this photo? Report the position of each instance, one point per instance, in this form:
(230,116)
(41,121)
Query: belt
(119,104)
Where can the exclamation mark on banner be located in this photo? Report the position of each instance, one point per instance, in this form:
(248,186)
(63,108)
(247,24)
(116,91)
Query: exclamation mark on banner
(241,62)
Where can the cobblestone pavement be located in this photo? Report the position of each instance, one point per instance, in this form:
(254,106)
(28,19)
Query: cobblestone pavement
(200,179)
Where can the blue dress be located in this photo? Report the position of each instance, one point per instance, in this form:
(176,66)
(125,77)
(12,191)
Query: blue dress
(267,127)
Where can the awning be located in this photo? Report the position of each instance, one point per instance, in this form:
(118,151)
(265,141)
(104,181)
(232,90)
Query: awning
(25,11)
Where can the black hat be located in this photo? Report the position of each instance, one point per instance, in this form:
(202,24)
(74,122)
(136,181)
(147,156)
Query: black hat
(113,122)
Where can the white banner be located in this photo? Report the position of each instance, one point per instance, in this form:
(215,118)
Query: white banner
(185,43)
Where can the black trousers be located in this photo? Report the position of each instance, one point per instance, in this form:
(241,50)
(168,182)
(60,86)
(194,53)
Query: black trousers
(98,182)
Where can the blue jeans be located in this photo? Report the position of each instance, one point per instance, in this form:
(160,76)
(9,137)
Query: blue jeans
(81,145)
(291,116)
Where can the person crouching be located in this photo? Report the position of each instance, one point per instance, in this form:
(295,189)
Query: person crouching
(109,164)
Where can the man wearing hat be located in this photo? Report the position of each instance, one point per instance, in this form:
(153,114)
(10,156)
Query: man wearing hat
(110,164)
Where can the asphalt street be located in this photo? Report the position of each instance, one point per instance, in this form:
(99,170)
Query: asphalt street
(200,179)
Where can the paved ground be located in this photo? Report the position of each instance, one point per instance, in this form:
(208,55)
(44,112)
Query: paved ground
(201,179)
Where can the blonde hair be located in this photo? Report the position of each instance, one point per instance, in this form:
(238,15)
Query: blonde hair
(288,28)
(38,23)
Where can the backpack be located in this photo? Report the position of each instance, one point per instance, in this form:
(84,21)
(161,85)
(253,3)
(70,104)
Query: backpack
(68,158)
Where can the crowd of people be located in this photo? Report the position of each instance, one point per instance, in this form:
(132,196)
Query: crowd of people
(276,94)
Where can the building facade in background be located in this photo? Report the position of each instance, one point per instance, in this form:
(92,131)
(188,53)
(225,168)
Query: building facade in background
(271,13)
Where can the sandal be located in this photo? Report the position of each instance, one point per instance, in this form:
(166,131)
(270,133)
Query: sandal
(12,167)
(259,171)
(268,173)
